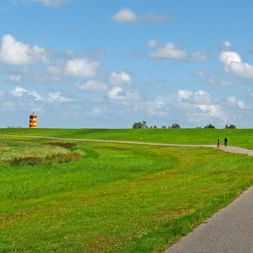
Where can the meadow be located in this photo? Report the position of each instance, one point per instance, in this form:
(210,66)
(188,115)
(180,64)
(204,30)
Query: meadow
(70,196)
(236,137)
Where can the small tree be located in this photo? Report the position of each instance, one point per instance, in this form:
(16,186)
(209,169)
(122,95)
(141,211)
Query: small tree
(142,124)
(231,126)
(175,125)
(209,126)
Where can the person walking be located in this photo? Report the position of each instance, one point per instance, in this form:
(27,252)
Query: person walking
(225,141)
(218,143)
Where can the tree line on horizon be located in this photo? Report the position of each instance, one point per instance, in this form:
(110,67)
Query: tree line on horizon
(143,124)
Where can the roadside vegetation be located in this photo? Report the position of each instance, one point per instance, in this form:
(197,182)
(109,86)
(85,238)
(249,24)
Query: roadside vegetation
(110,197)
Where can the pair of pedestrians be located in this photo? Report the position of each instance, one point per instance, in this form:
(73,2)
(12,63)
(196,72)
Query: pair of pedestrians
(225,142)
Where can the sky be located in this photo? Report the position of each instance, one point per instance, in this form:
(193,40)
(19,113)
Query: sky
(110,63)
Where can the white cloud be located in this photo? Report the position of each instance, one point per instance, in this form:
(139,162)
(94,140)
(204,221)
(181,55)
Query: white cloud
(121,88)
(126,15)
(152,43)
(207,78)
(123,95)
(200,103)
(198,97)
(57,97)
(170,51)
(159,106)
(14,52)
(115,93)
(234,64)
(184,94)
(212,110)
(81,67)
(120,79)
(35,95)
(175,52)
(236,103)
(92,85)
(20,92)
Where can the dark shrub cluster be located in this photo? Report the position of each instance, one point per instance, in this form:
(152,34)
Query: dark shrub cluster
(57,158)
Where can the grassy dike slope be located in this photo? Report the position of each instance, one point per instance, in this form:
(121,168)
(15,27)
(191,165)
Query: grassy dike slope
(115,198)
(237,137)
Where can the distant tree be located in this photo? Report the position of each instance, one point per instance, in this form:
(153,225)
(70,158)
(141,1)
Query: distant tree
(142,124)
(175,125)
(209,126)
(155,126)
(163,126)
(231,126)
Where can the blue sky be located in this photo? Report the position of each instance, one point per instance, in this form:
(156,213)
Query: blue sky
(90,63)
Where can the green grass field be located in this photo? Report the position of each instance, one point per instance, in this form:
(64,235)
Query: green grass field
(102,197)
(237,137)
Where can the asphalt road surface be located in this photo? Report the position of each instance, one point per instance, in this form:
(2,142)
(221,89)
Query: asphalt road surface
(228,231)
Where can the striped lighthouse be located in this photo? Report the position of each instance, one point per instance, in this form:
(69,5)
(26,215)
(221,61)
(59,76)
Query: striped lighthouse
(33,121)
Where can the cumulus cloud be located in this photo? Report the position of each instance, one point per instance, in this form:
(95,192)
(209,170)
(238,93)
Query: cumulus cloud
(92,85)
(14,52)
(200,103)
(121,88)
(184,94)
(233,64)
(123,95)
(235,102)
(174,52)
(81,67)
(120,79)
(20,92)
(126,15)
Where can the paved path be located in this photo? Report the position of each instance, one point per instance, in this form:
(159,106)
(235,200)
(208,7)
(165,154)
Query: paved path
(228,231)
(230,149)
